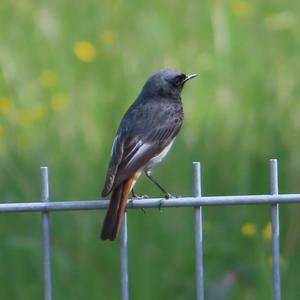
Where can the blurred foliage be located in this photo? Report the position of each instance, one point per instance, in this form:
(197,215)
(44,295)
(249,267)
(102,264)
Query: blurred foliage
(68,72)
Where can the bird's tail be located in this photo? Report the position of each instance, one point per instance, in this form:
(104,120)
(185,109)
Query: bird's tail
(116,210)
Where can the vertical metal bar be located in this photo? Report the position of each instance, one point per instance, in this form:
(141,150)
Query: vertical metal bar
(124,259)
(198,234)
(46,236)
(275,231)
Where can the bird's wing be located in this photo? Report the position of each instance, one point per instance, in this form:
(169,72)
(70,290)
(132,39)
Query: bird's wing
(143,150)
(129,154)
(115,159)
(135,144)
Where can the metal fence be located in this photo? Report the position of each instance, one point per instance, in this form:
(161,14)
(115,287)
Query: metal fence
(198,201)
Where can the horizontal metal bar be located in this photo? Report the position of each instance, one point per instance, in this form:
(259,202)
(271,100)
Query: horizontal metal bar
(151,203)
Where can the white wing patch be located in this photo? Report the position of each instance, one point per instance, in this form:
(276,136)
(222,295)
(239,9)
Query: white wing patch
(159,157)
(144,148)
(153,161)
(138,144)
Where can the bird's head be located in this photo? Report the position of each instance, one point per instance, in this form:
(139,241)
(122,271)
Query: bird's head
(166,83)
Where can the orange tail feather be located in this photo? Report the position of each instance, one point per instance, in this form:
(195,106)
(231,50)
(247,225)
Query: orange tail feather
(115,213)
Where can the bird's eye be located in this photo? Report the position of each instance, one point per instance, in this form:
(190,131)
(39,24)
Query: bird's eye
(179,79)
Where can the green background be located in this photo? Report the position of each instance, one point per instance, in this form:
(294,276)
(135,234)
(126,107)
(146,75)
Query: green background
(61,100)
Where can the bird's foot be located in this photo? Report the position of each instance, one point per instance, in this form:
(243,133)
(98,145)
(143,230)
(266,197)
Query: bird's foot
(168,196)
(136,197)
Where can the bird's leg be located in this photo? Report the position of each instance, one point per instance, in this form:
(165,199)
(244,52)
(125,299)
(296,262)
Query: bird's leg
(135,196)
(167,195)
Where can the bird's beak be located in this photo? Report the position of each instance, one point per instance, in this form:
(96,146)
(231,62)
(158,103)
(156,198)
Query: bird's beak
(188,77)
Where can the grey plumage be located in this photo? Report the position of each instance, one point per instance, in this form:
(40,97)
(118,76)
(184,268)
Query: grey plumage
(147,129)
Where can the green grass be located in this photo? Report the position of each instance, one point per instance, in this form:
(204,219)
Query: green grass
(60,111)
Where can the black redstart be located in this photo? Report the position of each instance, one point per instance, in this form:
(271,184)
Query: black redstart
(145,136)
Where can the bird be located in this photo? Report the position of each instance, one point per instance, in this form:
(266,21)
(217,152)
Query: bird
(144,138)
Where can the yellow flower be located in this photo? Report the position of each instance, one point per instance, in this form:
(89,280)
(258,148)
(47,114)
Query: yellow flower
(248,229)
(85,51)
(27,118)
(6,105)
(59,102)
(48,78)
(267,232)
(108,37)
(241,8)
(39,113)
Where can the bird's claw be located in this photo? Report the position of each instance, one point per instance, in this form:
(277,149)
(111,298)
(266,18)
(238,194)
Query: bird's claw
(168,196)
(136,197)
(142,197)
